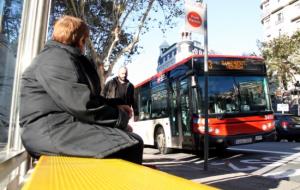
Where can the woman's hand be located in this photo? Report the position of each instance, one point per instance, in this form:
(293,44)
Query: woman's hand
(129,129)
(126,109)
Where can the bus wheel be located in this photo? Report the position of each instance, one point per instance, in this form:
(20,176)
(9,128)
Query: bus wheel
(160,139)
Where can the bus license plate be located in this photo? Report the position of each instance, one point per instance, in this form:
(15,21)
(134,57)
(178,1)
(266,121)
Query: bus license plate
(258,138)
(243,141)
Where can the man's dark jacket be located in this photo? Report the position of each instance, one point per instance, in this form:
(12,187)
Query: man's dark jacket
(110,91)
(62,112)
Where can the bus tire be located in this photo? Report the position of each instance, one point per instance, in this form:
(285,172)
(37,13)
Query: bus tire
(160,140)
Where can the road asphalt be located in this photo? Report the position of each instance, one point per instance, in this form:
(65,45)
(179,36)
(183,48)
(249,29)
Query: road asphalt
(215,176)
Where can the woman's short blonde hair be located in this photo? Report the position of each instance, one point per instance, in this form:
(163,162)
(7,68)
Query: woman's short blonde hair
(69,30)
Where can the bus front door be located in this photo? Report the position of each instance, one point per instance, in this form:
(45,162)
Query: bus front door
(184,116)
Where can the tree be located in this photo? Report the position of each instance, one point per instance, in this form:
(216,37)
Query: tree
(116,26)
(282,58)
(295,57)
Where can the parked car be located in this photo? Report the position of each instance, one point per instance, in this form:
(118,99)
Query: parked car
(287,127)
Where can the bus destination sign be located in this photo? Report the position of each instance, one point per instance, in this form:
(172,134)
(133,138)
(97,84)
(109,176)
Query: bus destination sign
(236,64)
(228,64)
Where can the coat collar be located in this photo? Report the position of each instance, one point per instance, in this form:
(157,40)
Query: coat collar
(117,80)
(71,49)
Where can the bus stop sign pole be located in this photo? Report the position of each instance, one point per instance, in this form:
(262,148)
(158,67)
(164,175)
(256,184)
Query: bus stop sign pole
(206,136)
(196,21)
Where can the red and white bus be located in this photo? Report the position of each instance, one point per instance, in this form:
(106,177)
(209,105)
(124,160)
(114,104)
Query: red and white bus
(170,105)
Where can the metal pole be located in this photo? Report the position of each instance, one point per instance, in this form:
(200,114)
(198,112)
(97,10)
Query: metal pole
(297,90)
(206,136)
(297,84)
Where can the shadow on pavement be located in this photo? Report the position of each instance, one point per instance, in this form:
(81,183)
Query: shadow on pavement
(191,167)
(221,178)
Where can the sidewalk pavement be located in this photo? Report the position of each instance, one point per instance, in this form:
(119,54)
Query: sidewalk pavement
(216,177)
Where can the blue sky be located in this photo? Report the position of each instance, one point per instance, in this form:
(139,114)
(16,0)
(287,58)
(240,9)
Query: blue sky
(233,28)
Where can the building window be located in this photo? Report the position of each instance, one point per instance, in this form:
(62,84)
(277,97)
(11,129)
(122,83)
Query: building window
(279,18)
(10,19)
(266,5)
(267,22)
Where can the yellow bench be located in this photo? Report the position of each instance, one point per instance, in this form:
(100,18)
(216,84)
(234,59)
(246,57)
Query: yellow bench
(72,173)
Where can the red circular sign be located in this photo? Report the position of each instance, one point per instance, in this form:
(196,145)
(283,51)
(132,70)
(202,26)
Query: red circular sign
(194,19)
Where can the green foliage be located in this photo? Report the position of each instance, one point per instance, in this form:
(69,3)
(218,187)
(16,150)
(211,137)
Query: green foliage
(282,58)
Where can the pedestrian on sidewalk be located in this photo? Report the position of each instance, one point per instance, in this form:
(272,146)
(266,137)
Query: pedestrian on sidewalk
(120,87)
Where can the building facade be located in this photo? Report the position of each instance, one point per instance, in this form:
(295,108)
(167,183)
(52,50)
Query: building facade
(171,54)
(280,17)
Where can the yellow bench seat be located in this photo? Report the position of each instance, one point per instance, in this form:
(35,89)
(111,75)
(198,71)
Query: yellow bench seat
(72,173)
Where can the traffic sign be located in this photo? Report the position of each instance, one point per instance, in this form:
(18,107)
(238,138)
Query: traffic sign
(282,107)
(195,16)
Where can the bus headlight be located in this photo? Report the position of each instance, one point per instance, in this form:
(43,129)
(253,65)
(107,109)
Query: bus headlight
(264,127)
(269,125)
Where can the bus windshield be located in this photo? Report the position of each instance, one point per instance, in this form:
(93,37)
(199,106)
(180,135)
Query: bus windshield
(235,94)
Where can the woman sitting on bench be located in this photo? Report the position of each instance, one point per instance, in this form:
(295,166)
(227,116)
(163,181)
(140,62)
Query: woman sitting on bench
(62,112)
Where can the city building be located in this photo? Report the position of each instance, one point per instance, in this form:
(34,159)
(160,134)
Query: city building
(282,17)
(279,17)
(178,51)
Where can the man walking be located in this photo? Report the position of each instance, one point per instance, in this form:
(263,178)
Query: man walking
(120,87)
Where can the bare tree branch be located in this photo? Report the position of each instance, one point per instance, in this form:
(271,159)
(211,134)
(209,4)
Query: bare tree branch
(141,25)
(110,37)
(73,6)
(81,8)
(130,47)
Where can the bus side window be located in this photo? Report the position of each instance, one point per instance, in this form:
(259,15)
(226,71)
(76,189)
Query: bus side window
(159,99)
(144,104)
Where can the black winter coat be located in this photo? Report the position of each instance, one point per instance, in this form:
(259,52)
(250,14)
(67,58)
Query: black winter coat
(110,91)
(61,110)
